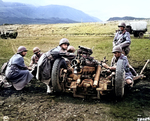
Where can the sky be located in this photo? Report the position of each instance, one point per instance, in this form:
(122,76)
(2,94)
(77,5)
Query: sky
(102,9)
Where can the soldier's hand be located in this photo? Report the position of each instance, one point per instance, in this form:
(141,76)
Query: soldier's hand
(105,65)
(29,68)
(112,68)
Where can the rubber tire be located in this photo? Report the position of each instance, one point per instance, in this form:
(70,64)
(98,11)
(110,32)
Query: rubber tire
(56,81)
(119,79)
(141,35)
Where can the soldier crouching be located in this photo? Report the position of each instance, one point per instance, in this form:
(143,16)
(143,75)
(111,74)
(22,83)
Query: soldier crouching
(45,62)
(34,59)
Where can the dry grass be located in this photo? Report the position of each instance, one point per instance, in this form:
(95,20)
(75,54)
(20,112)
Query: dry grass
(98,36)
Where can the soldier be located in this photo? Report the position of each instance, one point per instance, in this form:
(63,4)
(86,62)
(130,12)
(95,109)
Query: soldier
(16,71)
(118,55)
(45,61)
(71,49)
(34,59)
(122,38)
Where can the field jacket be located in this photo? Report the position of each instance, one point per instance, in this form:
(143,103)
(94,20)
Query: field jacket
(35,58)
(44,65)
(128,74)
(17,72)
(123,40)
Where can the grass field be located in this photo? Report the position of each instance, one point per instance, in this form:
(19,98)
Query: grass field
(97,36)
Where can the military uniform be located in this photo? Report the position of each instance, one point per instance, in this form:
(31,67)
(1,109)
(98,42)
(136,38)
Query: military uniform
(44,67)
(17,72)
(128,74)
(35,58)
(122,39)
(45,64)
(33,64)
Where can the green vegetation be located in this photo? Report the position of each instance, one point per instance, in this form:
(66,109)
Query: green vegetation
(97,36)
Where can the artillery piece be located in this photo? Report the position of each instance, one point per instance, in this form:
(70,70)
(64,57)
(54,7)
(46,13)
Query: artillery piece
(86,77)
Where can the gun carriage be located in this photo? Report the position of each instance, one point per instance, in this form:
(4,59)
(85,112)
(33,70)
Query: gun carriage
(85,76)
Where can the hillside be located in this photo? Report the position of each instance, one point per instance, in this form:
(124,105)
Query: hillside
(125,18)
(16,20)
(29,14)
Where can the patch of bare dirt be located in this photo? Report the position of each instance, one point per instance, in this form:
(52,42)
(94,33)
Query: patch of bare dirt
(33,104)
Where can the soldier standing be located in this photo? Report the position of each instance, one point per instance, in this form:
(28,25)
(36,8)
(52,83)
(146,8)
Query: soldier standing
(122,38)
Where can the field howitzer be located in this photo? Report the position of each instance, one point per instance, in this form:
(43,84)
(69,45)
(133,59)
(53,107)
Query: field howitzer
(85,76)
(85,69)
(83,57)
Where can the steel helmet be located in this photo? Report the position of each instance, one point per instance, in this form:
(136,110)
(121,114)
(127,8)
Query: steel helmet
(64,41)
(117,49)
(122,25)
(21,49)
(71,49)
(36,49)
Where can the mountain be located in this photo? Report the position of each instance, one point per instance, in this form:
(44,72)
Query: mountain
(13,13)
(65,12)
(125,18)
(22,20)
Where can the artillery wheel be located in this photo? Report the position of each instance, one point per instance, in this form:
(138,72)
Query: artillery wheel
(57,74)
(119,79)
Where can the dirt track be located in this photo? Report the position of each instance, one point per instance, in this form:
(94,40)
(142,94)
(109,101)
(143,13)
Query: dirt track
(32,103)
